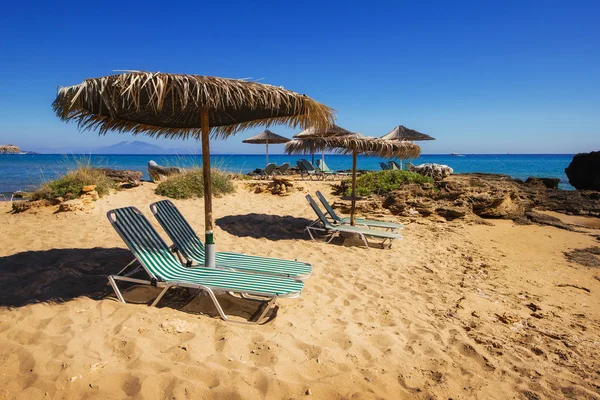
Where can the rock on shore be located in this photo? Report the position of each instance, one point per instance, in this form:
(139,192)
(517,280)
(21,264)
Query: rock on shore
(584,171)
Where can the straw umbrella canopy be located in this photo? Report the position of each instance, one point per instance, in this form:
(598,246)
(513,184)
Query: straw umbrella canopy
(403,133)
(185,106)
(313,132)
(354,143)
(266,137)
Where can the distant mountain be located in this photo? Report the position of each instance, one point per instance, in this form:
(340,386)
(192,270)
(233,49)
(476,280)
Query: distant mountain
(131,147)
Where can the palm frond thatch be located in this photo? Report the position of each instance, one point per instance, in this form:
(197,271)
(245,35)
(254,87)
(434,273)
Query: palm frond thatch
(266,137)
(312,132)
(355,142)
(168,105)
(403,133)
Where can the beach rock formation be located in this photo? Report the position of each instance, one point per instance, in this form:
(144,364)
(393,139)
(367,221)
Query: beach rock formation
(476,197)
(280,186)
(9,149)
(550,183)
(125,177)
(159,173)
(435,171)
(584,171)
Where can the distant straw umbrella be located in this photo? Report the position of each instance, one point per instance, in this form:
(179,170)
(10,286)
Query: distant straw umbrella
(402,133)
(354,143)
(266,137)
(185,106)
(313,132)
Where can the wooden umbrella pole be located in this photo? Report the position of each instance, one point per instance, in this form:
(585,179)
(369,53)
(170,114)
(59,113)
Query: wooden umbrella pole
(267,154)
(209,259)
(353,208)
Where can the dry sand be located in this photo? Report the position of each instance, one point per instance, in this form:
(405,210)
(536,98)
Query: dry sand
(453,311)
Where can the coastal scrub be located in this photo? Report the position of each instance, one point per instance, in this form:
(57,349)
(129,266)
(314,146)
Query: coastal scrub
(190,184)
(70,185)
(382,182)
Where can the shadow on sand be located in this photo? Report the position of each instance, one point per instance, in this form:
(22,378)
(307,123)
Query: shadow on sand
(60,275)
(272,227)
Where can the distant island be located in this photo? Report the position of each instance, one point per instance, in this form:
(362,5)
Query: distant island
(12,149)
(131,147)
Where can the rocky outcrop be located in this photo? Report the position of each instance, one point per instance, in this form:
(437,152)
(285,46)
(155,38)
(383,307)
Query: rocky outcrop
(435,171)
(280,186)
(550,183)
(584,171)
(475,197)
(158,173)
(9,149)
(124,177)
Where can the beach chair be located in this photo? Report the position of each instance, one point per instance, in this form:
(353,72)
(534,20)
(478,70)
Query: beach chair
(282,169)
(267,172)
(190,248)
(324,225)
(165,272)
(327,171)
(392,226)
(394,165)
(384,166)
(307,169)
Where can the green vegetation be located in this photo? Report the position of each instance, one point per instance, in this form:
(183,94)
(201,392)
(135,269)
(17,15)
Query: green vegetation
(190,184)
(382,182)
(69,186)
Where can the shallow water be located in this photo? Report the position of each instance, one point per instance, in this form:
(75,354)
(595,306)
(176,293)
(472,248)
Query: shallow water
(23,172)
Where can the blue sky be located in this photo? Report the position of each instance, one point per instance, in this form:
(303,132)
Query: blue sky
(480,76)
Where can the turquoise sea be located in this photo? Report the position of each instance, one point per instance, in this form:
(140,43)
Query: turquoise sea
(23,172)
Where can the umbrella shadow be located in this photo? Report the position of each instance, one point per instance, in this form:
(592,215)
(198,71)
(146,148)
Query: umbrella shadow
(60,275)
(272,227)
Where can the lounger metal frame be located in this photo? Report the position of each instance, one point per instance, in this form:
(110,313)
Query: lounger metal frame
(321,224)
(268,301)
(337,221)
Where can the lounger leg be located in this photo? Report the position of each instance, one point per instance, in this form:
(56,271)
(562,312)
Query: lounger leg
(333,235)
(364,240)
(224,316)
(267,307)
(112,282)
(310,233)
(160,296)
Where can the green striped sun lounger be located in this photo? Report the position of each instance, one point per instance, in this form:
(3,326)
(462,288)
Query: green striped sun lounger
(324,225)
(164,270)
(371,223)
(190,247)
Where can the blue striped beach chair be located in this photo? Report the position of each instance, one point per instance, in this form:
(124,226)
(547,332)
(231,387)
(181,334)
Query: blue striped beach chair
(164,270)
(371,223)
(188,245)
(324,225)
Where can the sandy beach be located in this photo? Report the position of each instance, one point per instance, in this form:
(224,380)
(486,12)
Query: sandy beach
(456,310)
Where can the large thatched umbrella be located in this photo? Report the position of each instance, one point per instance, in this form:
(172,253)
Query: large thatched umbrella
(184,106)
(312,132)
(402,133)
(354,143)
(266,137)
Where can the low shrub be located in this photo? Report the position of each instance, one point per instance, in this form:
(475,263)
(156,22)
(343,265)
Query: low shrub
(69,186)
(191,184)
(382,182)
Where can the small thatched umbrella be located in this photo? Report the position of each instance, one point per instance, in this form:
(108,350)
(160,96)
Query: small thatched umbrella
(266,137)
(402,133)
(313,132)
(354,143)
(184,106)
